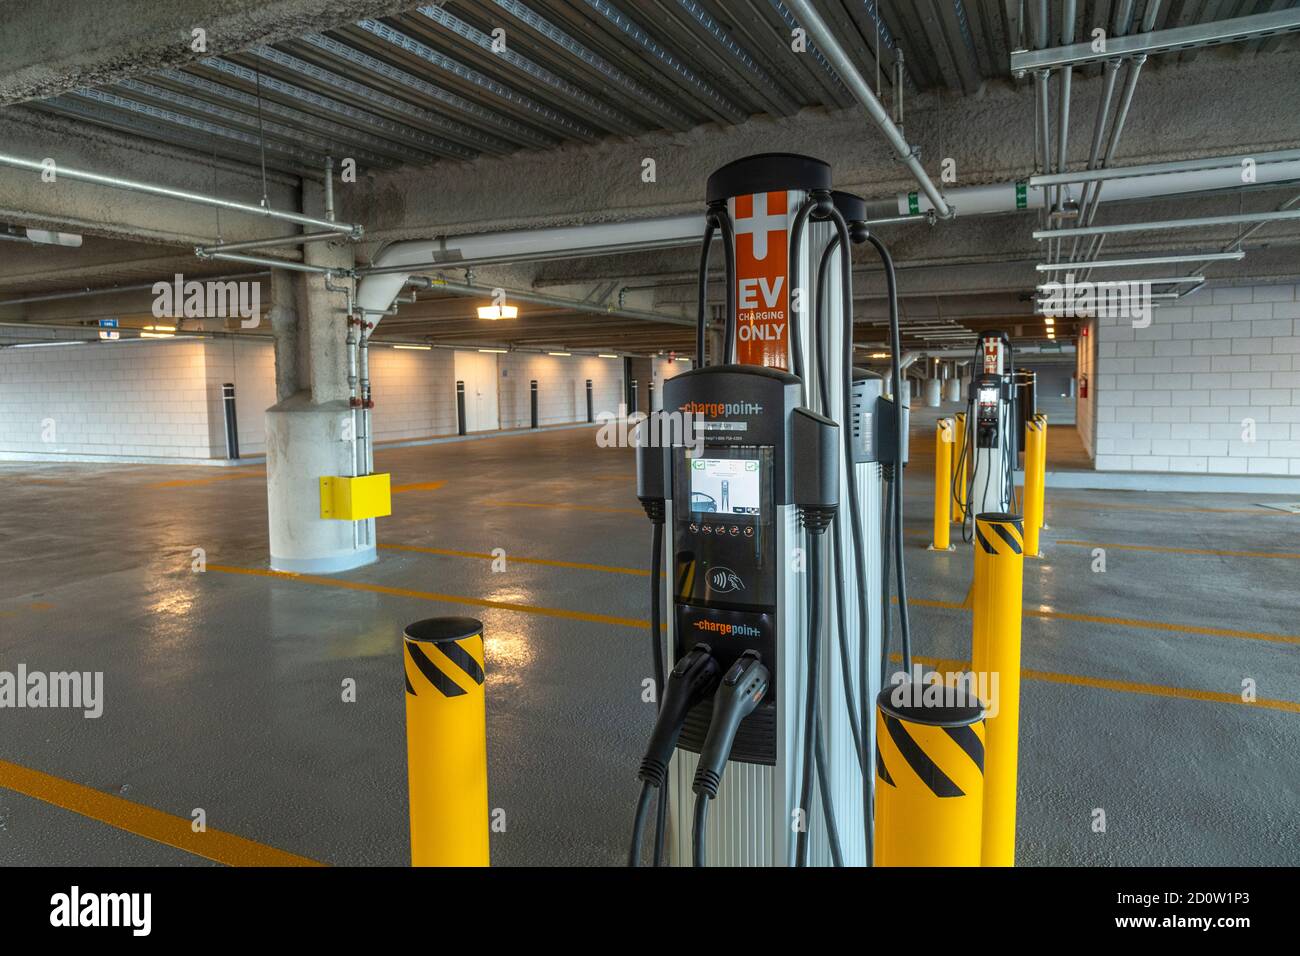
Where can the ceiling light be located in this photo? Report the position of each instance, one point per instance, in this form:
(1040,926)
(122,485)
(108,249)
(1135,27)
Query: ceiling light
(494,312)
(1050,321)
(606,355)
(495,351)
(560,354)
(157,335)
(422,348)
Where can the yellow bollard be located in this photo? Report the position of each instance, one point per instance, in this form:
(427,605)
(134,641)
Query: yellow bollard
(995,656)
(959,450)
(929,777)
(1033,494)
(1042,470)
(446,742)
(943,435)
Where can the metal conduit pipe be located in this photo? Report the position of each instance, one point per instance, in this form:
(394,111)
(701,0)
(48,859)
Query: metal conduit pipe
(537,298)
(1130,85)
(853,81)
(112,290)
(130,185)
(273,263)
(1068,11)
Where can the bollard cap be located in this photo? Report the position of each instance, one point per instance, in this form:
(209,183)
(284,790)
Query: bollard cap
(438,630)
(905,701)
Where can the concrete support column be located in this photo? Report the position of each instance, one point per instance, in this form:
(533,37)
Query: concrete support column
(310,430)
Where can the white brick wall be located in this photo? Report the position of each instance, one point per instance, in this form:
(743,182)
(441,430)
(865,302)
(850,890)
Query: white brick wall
(1213,385)
(141,398)
(561,388)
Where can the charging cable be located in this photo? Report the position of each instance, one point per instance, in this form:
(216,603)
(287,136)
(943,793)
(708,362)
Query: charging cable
(740,691)
(691,681)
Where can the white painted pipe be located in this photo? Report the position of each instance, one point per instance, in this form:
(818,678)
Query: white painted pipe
(1009,197)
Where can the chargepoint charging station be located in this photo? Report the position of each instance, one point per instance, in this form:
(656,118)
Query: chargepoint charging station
(775,518)
(991,441)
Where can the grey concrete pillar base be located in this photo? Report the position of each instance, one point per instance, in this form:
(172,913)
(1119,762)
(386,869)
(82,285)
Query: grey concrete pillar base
(356,559)
(304,443)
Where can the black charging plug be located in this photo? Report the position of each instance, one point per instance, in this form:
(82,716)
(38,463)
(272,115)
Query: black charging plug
(691,681)
(741,690)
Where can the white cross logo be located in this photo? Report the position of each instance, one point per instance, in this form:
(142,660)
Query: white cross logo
(760,224)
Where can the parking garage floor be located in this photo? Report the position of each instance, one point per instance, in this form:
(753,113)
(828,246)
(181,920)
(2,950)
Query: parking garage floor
(223,687)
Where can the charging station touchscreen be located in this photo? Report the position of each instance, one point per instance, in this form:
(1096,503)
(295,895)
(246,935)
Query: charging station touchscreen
(725,486)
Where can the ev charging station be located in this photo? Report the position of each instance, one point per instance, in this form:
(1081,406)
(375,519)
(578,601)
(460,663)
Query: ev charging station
(991,432)
(776,637)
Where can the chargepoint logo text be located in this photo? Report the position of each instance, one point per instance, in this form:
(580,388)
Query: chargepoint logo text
(720,409)
(1112,300)
(724,629)
(212,299)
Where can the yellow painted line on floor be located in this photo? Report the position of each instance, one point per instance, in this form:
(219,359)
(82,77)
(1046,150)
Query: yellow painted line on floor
(434,596)
(1119,686)
(515,559)
(1112,506)
(142,821)
(1163,550)
(564,507)
(643,624)
(194,482)
(34,606)
(418,486)
(1161,626)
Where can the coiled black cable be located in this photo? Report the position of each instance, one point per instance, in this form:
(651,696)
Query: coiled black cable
(891,286)
(710,226)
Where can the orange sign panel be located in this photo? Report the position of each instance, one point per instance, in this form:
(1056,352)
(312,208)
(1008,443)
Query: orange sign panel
(762,280)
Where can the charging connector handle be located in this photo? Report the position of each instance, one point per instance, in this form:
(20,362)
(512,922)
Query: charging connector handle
(741,690)
(691,681)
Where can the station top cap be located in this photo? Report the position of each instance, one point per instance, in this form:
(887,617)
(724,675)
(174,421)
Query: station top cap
(852,208)
(438,630)
(906,701)
(767,172)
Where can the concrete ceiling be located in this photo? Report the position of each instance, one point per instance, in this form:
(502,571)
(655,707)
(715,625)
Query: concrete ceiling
(452,137)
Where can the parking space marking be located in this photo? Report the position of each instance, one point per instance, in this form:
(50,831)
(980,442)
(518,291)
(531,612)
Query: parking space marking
(143,821)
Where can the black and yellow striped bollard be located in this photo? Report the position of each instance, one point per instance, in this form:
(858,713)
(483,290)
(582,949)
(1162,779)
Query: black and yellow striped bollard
(446,742)
(998,597)
(929,776)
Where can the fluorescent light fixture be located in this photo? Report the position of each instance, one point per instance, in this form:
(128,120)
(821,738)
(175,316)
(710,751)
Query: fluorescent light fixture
(560,354)
(606,355)
(418,348)
(495,351)
(879,355)
(157,335)
(494,312)
(160,328)
(1143,261)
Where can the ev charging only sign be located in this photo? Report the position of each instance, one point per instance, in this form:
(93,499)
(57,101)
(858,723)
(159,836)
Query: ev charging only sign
(762,285)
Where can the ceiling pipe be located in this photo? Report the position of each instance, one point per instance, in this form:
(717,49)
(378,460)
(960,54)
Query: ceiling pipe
(1130,85)
(852,79)
(1123,227)
(113,290)
(577,305)
(166,192)
(1068,11)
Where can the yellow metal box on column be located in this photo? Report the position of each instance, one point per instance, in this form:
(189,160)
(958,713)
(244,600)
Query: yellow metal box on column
(356,498)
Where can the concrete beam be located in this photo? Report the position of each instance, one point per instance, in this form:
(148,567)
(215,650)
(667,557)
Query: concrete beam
(71,206)
(991,138)
(50,47)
